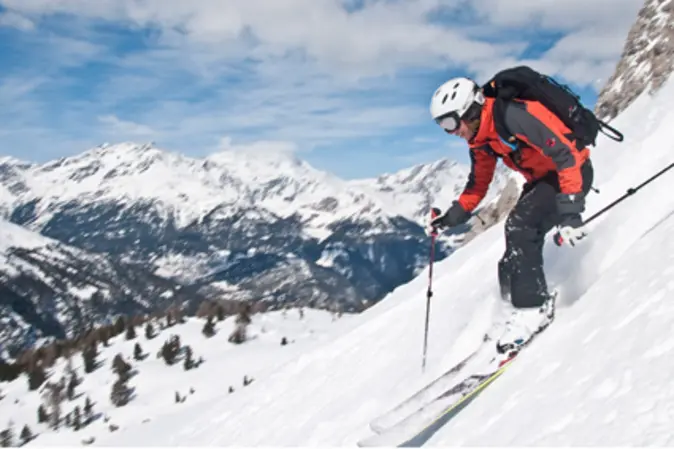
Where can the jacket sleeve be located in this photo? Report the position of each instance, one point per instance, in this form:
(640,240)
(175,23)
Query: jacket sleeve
(482,166)
(541,130)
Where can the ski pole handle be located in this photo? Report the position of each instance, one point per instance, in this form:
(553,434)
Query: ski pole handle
(435,213)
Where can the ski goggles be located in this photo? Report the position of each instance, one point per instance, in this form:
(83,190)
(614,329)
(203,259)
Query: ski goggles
(450,122)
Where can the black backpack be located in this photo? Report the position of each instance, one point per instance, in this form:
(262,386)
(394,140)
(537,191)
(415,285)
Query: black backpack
(524,83)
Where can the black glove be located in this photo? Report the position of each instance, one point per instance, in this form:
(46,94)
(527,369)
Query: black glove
(570,204)
(454,216)
(570,228)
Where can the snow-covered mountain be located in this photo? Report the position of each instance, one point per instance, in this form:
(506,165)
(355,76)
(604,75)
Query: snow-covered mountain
(412,192)
(52,289)
(188,189)
(244,219)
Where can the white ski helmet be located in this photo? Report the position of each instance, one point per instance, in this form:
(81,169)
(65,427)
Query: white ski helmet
(452,100)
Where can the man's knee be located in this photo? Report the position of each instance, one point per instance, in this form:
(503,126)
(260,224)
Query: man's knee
(518,232)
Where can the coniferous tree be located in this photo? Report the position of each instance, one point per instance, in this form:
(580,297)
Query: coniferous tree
(26,435)
(137,352)
(77,419)
(88,411)
(179,315)
(130,331)
(55,393)
(89,354)
(149,331)
(188,364)
(120,325)
(7,437)
(104,335)
(209,328)
(42,415)
(72,384)
(120,367)
(220,312)
(242,321)
(121,393)
(170,349)
(9,371)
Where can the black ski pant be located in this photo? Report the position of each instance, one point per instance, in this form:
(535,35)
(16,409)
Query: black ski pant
(520,270)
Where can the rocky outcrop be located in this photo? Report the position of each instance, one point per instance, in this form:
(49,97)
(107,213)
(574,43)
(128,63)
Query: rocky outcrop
(647,59)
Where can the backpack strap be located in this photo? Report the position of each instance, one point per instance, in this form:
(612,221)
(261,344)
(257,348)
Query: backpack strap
(501,95)
(613,133)
(498,116)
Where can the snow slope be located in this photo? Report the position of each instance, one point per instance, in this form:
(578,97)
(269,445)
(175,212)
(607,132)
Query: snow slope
(599,375)
(155,384)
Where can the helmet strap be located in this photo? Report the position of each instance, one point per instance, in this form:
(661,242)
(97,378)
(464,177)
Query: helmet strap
(472,113)
(472,118)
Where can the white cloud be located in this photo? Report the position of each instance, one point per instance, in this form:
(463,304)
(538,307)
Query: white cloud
(378,38)
(14,88)
(125,127)
(557,15)
(297,74)
(259,146)
(14,20)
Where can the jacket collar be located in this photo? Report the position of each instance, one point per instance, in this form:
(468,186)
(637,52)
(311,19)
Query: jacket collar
(487,130)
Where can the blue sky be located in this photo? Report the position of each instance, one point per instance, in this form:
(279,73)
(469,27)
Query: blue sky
(344,83)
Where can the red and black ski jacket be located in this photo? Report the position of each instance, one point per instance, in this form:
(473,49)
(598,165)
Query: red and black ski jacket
(542,147)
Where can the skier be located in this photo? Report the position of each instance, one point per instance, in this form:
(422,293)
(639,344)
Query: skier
(558,176)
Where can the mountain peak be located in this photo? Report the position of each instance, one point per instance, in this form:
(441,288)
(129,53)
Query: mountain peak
(127,149)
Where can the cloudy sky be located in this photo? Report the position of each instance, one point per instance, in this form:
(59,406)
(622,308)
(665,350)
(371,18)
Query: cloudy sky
(344,83)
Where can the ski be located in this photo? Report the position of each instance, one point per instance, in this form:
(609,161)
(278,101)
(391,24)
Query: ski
(427,393)
(417,427)
(420,426)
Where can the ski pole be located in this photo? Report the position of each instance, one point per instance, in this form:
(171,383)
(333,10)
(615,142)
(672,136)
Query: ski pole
(631,191)
(429,293)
